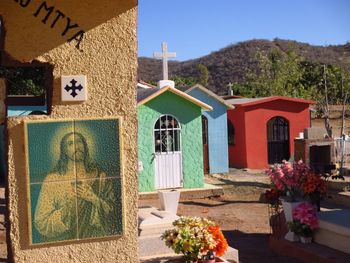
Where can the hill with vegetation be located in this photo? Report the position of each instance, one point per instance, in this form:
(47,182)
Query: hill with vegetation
(260,68)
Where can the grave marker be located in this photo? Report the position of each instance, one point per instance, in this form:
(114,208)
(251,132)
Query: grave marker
(164,55)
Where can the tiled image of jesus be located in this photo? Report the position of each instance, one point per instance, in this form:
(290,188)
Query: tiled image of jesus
(77,199)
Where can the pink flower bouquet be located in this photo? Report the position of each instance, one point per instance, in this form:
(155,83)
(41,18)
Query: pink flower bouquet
(288,179)
(304,220)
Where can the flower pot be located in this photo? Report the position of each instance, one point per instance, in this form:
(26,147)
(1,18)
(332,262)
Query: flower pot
(292,237)
(305,240)
(288,214)
(207,261)
(217,259)
(169,200)
(288,208)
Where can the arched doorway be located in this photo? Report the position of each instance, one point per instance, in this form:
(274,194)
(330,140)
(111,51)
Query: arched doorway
(205,144)
(278,140)
(167,152)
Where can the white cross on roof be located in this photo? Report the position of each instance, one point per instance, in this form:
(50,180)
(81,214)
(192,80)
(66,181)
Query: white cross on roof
(164,55)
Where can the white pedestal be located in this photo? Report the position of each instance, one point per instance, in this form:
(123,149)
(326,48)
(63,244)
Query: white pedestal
(169,200)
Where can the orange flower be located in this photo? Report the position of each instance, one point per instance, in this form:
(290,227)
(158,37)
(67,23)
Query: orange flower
(221,243)
(314,183)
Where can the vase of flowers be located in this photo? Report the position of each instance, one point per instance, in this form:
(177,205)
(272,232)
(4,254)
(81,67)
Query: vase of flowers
(315,189)
(304,222)
(196,238)
(287,179)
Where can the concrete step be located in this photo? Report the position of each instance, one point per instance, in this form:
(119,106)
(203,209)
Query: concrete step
(308,253)
(341,198)
(189,193)
(153,222)
(334,230)
(339,184)
(153,246)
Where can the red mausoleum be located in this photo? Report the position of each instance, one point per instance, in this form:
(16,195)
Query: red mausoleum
(262,130)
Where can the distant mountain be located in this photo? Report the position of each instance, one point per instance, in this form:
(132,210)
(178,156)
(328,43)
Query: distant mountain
(231,63)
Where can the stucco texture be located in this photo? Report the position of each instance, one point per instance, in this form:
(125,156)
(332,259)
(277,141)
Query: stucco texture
(109,60)
(250,123)
(189,116)
(217,132)
(41,33)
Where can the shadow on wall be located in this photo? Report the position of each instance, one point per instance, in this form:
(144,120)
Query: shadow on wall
(45,25)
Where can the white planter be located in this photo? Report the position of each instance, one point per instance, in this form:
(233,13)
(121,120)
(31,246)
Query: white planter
(305,240)
(288,208)
(292,237)
(288,213)
(169,200)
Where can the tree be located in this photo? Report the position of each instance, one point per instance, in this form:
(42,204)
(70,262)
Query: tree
(287,74)
(24,80)
(184,81)
(278,74)
(203,75)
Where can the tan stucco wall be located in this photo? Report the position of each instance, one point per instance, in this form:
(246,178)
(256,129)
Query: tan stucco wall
(2,102)
(36,36)
(109,60)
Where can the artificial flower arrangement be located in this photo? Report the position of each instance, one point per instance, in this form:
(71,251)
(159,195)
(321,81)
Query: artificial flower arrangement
(314,188)
(287,178)
(305,220)
(296,181)
(196,238)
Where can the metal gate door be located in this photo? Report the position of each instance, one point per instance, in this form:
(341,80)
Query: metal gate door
(168,158)
(278,140)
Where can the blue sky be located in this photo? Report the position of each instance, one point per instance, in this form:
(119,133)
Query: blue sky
(194,28)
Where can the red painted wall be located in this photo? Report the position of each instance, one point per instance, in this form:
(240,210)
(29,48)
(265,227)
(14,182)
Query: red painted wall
(250,124)
(237,153)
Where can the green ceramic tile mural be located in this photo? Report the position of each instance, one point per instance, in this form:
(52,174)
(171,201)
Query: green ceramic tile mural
(98,215)
(75,181)
(44,156)
(101,138)
(54,212)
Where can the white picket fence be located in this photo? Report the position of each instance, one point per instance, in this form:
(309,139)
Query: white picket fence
(342,151)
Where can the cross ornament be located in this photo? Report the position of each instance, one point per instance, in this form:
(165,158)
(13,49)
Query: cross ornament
(230,85)
(73,88)
(164,55)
